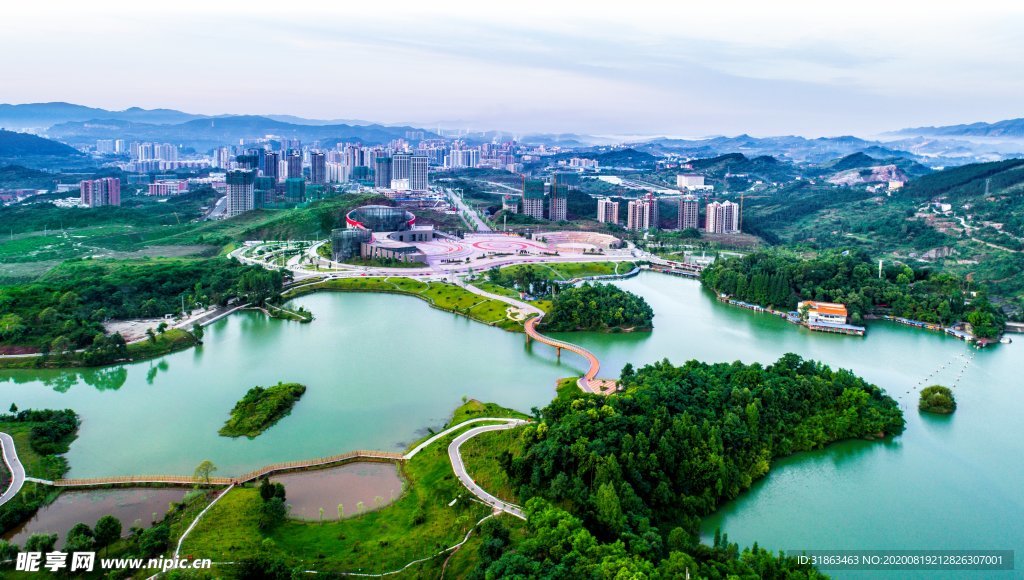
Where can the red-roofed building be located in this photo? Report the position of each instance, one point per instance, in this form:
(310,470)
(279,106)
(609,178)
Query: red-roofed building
(828,312)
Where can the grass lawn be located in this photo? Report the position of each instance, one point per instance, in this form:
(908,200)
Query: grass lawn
(229,530)
(174,339)
(36,465)
(439,294)
(570,270)
(420,523)
(482,454)
(493,288)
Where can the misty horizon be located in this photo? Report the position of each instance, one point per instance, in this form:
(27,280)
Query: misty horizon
(797,69)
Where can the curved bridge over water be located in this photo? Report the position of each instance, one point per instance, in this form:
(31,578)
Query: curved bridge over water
(595,365)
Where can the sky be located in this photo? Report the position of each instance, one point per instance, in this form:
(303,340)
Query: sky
(688,69)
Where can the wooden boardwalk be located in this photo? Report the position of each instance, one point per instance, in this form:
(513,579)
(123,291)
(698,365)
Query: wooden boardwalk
(252,475)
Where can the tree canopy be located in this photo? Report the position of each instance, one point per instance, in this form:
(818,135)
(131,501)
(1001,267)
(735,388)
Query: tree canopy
(598,307)
(680,440)
(851,277)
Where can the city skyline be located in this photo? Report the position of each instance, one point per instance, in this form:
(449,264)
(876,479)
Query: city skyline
(630,70)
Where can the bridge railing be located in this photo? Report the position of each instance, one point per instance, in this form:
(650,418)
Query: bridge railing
(287,465)
(532,331)
(182,479)
(255,474)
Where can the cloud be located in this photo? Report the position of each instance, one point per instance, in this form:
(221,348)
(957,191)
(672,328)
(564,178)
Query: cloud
(685,68)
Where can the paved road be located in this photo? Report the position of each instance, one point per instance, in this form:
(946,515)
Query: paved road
(460,468)
(480,225)
(14,466)
(437,436)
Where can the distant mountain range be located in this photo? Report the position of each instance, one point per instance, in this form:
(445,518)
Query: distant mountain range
(44,115)
(78,124)
(1010,128)
(931,151)
(794,148)
(210,132)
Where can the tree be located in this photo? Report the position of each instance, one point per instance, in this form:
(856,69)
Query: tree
(108,531)
(273,512)
(80,538)
(266,489)
(154,541)
(197,331)
(41,543)
(937,399)
(204,470)
(8,551)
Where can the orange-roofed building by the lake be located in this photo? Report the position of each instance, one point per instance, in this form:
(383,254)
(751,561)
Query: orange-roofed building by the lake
(828,312)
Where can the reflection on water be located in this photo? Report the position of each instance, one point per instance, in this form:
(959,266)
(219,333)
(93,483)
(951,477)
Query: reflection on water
(371,484)
(156,369)
(133,506)
(102,379)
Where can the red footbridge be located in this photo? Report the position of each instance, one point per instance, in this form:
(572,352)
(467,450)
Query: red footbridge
(587,382)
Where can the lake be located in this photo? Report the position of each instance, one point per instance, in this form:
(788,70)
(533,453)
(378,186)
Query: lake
(380,369)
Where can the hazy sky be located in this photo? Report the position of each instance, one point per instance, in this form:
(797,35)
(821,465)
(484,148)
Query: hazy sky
(635,67)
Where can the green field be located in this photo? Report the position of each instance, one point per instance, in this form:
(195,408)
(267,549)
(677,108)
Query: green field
(418,524)
(482,456)
(572,270)
(43,235)
(438,294)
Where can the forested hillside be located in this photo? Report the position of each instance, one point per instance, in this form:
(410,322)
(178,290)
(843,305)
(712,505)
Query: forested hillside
(850,277)
(14,144)
(65,309)
(641,467)
(966,220)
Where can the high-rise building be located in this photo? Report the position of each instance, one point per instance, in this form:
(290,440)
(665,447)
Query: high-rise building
(533,198)
(119,146)
(382,172)
(418,172)
(295,190)
(401,168)
(264,191)
(317,167)
(294,163)
(688,212)
(642,214)
(271,162)
(247,162)
(607,211)
(337,172)
(165,152)
(557,206)
(722,218)
(105,146)
(221,156)
(464,158)
(240,192)
(100,192)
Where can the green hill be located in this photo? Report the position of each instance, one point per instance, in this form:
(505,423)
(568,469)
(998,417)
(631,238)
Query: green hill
(14,144)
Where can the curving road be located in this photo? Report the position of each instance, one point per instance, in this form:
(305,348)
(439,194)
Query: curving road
(460,468)
(14,466)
